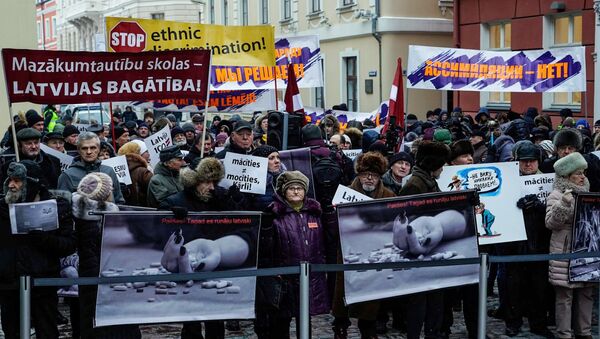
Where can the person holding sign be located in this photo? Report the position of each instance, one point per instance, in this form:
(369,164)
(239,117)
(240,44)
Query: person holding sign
(296,235)
(35,254)
(241,140)
(275,168)
(574,301)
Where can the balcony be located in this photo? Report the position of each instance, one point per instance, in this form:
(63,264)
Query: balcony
(83,9)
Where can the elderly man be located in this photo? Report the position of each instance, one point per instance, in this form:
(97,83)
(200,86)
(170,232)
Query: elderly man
(88,148)
(342,141)
(240,140)
(55,141)
(35,254)
(28,140)
(165,181)
(400,166)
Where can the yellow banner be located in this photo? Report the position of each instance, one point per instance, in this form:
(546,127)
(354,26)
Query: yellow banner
(230,45)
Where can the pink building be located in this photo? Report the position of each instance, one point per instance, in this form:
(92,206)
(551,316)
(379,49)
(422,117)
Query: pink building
(46,24)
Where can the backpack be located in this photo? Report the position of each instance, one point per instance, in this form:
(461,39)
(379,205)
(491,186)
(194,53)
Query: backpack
(327,176)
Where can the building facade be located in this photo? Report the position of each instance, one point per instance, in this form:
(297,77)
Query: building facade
(46,23)
(529,25)
(360,39)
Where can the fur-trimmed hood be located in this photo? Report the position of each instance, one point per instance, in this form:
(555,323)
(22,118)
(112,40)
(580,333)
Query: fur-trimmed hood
(134,161)
(371,162)
(562,184)
(209,169)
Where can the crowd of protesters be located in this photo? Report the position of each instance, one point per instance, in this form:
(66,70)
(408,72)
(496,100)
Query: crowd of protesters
(296,227)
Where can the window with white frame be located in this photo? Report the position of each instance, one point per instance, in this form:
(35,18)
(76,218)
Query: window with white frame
(566,31)
(346,3)
(316,6)
(211,11)
(47,28)
(225,12)
(39,30)
(286,9)
(350,83)
(499,37)
(244,12)
(157,16)
(54,27)
(264,12)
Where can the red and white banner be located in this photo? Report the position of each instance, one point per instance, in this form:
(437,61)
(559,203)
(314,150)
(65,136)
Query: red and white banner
(60,77)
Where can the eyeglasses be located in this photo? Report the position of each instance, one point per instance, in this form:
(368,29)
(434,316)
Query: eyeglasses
(369,175)
(296,188)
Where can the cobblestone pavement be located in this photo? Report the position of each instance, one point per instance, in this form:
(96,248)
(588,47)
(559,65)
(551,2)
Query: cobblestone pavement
(322,329)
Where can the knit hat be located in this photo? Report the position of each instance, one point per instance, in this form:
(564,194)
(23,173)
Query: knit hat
(143,147)
(368,138)
(28,134)
(171,117)
(209,169)
(70,130)
(129,148)
(527,151)
(371,162)
(222,137)
(432,155)
(597,123)
(568,137)
(401,156)
(286,179)
(58,128)
(143,124)
(263,151)
(96,186)
(568,164)
(582,122)
(16,170)
(188,127)
(547,147)
(459,148)
(443,135)
(176,130)
(33,119)
(428,133)
(311,132)
(119,131)
(170,152)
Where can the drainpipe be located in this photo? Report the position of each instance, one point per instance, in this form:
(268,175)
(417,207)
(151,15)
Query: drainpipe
(377,37)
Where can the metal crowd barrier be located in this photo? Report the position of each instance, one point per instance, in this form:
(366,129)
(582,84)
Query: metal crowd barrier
(303,270)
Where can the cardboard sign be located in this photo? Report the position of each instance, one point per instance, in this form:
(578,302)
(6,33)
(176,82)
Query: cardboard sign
(33,216)
(65,159)
(344,195)
(538,184)
(157,142)
(249,173)
(119,165)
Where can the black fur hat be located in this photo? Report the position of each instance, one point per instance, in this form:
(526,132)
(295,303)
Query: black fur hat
(432,155)
(371,162)
(568,137)
(459,148)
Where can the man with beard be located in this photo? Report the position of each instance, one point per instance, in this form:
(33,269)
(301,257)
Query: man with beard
(34,254)
(179,139)
(29,149)
(201,193)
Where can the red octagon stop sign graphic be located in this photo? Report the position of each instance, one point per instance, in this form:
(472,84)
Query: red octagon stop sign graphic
(127,36)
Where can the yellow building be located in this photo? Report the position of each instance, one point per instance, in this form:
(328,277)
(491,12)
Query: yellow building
(17,21)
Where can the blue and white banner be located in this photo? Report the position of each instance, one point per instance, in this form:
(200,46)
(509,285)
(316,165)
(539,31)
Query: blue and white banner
(303,52)
(553,70)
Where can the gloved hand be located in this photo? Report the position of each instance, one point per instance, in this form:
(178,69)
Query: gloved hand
(567,198)
(235,194)
(204,254)
(179,212)
(527,202)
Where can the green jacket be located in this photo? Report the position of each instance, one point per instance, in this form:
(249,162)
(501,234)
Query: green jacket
(164,182)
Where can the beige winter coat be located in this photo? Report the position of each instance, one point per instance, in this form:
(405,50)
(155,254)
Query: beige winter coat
(559,219)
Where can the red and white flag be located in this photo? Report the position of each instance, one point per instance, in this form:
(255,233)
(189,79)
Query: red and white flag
(396,103)
(292,99)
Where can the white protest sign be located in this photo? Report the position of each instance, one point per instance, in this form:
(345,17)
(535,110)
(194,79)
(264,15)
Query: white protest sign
(345,195)
(156,142)
(82,127)
(65,159)
(219,149)
(33,216)
(538,184)
(249,173)
(596,153)
(119,165)
(352,153)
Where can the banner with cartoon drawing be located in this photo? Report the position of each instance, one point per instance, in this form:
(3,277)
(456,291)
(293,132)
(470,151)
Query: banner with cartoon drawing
(423,227)
(586,238)
(498,217)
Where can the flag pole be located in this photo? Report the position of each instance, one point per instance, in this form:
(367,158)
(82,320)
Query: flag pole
(275,77)
(206,109)
(14,130)
(112,124)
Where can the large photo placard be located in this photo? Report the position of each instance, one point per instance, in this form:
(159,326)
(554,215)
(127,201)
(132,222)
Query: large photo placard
(212,242)
(586,238)
(437,226)
(498,217)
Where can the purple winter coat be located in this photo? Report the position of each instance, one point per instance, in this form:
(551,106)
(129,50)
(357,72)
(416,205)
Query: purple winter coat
(299,236)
